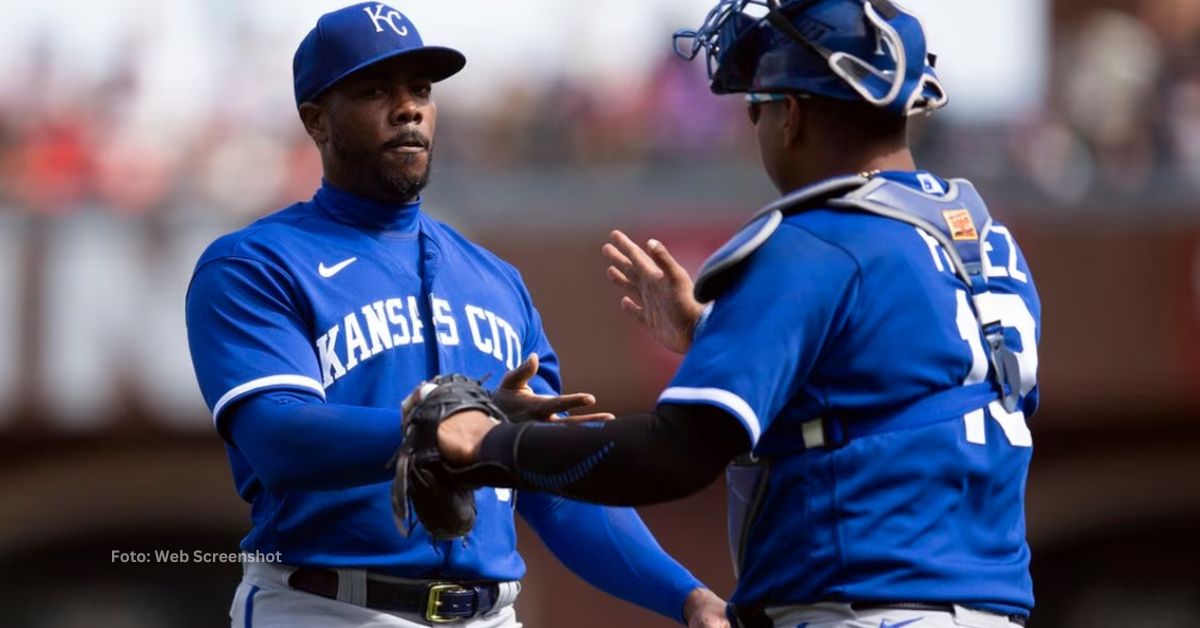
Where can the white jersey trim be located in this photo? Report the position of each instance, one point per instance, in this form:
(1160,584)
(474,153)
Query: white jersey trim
(716,396)
(271,381)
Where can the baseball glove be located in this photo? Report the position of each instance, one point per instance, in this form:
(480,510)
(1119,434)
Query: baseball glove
(442,503)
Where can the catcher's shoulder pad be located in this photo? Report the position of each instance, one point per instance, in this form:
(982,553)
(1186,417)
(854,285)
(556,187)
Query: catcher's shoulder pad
(958,218)
(719,269)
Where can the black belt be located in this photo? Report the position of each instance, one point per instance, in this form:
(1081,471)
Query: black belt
(437,602)
(757,618)
(925,606)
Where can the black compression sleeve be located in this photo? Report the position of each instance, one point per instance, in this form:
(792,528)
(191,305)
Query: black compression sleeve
(632,460)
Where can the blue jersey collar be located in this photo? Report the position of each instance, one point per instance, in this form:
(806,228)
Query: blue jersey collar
(359,211)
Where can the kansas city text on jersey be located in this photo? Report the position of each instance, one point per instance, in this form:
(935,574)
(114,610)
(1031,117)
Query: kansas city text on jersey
(395,323)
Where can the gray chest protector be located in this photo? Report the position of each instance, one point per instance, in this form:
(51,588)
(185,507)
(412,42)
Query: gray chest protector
(958,220)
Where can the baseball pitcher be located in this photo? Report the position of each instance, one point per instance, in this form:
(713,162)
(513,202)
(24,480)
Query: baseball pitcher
(309,328)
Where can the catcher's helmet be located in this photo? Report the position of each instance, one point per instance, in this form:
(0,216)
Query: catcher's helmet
(870,50)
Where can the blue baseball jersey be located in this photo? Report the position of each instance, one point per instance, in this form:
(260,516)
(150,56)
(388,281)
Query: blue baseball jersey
(843,314)
(329,297)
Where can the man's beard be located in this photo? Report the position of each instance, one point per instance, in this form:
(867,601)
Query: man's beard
(367,167)
(404,187)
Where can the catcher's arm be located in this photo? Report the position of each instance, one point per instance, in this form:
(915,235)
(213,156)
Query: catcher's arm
(631,461)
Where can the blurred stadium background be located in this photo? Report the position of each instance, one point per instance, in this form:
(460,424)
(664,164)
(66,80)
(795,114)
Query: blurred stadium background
(132,133)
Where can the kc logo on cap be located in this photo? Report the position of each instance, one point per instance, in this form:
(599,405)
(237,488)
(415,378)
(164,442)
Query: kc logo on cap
(360,35)
(391,14)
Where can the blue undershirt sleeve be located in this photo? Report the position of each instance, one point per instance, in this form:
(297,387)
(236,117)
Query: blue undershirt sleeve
(612,550)
(296,441)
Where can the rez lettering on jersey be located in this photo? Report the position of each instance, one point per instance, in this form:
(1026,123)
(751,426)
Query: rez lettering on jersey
(998,243)
(1012,312)
(389,324)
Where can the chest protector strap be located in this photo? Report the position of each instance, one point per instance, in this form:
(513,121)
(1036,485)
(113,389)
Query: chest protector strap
(960,222)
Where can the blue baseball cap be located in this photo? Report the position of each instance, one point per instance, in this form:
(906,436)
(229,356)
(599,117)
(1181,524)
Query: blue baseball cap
(350,39)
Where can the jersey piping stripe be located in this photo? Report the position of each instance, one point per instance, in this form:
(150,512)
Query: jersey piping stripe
(300,381)
(250,606)
(727,400)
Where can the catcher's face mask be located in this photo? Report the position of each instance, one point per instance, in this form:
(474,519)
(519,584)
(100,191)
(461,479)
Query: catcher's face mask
(870,50)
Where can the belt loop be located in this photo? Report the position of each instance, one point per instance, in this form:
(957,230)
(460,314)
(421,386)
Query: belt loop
(814,433)
(507,594)
(823,432)
(270,574)
(284,572)
(980,618)
(352,586)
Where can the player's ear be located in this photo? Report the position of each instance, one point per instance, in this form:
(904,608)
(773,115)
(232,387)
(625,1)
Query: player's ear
(313,117)
(793,121)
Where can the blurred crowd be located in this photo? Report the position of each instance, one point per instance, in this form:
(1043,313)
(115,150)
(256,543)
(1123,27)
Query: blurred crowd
(89,148)
(1121,120)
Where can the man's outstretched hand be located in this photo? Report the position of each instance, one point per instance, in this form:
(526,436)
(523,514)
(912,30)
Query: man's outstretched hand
(658,291)
(520,403)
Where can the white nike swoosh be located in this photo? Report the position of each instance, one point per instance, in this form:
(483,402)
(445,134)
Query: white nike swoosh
(329,271)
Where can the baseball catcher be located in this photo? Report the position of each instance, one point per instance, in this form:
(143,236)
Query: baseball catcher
(860,358)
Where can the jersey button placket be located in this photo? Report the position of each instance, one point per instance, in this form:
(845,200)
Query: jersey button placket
(431,264)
